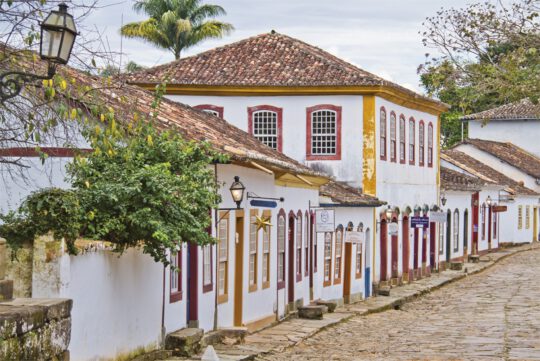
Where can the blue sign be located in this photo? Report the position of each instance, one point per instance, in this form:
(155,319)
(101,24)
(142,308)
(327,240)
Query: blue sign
(420,222)
(261,203)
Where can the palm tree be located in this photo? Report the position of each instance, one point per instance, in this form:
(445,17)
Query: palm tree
(176,24)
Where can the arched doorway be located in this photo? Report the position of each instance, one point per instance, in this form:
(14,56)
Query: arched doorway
(367,273)
(383,250)
(291,271)
(448,236)
(465,234)
(415,252)
(406,246)
(432,248)
(395,250)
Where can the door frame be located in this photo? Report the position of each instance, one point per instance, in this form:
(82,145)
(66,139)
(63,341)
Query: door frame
(383,276)
(432,247)
(406,245)
(448,237)
(291,274)
(347,272)
(239,268)
(193,285)
(475,203)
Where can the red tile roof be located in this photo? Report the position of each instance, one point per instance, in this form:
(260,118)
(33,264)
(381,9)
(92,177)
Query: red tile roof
(509,153)
(524,109)
(452,180)
(484,172)
(342,194)
(266,60)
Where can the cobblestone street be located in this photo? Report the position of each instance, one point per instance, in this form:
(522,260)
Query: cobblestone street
(494,315)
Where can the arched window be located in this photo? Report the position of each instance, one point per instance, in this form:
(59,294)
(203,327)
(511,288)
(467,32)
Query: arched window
(223,257)
(281,234)
(442,230)
(412,142)
(382,130)
(306,244)
(338,254)
(323,132)
(483,217)
(402,139)
(368,247)
(430,145)
(358,255)
(466,229)
(421,135)
(265,123)
(267,214)
(392,137)
(253,247)
(327,259)
(299,246)
(455,232)
(211,109)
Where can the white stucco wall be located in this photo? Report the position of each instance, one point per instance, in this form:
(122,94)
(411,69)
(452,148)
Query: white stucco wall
(460,201)
(523,133)
(349,169)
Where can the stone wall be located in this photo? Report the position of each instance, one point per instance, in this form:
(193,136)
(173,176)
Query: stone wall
(19,269)
(35,329)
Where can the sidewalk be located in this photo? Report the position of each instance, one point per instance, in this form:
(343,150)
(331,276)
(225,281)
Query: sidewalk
(295,330)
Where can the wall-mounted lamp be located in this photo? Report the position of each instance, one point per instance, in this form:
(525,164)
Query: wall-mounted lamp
(488,201)
(443,199)
(58,33)
(237,191)
(389,212)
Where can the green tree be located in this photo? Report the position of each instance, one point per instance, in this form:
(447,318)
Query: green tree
(487,55)
(176,25)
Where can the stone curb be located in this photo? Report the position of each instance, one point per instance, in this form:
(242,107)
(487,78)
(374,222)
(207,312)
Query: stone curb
(400,301)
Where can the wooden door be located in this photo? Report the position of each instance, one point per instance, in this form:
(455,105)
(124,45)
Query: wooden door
(193,285)
(465,234)
(239,269)
(415,252)
(394,252)
(347,275)
(290,271)
(475,217)
(535,224)
(406,246)
(384,250)
(490,223)
(448,236)
(432,247)
(312,253)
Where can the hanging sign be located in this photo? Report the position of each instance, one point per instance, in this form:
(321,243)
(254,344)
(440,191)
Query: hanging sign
(354,237)
(437,217)
(324,220)
(498,209)
(262,203)
(393,228)
(419,222)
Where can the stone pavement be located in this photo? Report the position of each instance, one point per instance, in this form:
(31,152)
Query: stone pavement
(360,331)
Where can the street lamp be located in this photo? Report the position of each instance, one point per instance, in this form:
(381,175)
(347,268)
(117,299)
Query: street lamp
(58,33)
(237,191)
(389,212)
(443,199)
(488,201)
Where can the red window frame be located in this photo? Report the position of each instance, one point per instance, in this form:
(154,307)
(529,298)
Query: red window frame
(176,295)
(393,140)
(412,146)
(402,136)
(306,244)
(383,130)
(279,125)
(421,143)
(309,112)
(281,284)
(430,145)
(214,108)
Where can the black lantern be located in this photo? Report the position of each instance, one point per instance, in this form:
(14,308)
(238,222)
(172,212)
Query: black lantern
(58,33)
(389,212)
(443,200)
(488,201)
(237,191)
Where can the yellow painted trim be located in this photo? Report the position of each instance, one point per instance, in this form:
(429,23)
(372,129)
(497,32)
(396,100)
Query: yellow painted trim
(369,151)
(375,237)
(286,183)
(296,181)
(394,95)
(257,165)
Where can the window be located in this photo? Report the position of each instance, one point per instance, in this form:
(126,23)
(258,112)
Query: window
(223,256)
(211,109)
(483,216)
(527,217)
(358,255)
(306,245)
(455,232)
(338,255)
(421,135)
(327,258)
(382,130)
(392,137)
(176,277)
(495,216)
(430,145)
(265,123)
(313,236)
(323,132)
(207,268)
(402,139)
(281,248)
(299,246)
(441,237)
(253,235)
(520,217)
(412,142)
(266,252)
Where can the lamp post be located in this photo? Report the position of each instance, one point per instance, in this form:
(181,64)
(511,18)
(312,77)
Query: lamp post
(58,33)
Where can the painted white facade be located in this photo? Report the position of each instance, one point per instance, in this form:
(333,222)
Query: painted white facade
(523,133)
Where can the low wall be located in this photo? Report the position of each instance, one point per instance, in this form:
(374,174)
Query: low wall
(35,329)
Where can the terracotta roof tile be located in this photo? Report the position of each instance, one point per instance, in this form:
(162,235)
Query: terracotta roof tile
(455,181)
(343,194)
(524,109)
(265,60)
(484,172)
(511,154)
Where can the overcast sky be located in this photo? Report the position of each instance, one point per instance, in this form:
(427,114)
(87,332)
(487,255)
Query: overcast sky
(379,36)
